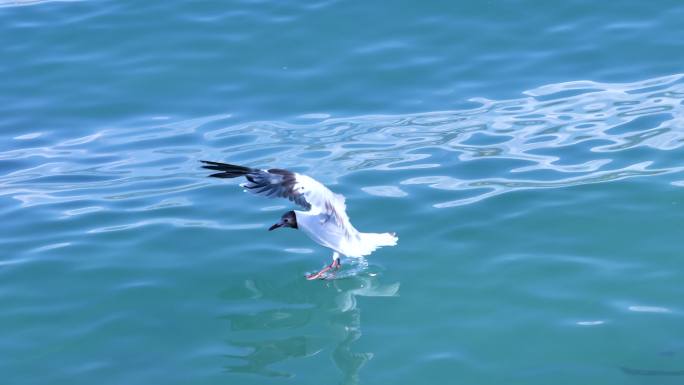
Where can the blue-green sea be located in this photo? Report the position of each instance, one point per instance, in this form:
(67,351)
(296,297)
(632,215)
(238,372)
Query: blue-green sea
(528,154)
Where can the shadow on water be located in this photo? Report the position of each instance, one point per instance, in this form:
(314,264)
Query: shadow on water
(667,356)
(651,372)
(294,320)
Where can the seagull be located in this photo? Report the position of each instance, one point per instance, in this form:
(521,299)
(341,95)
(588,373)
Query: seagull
(324,219)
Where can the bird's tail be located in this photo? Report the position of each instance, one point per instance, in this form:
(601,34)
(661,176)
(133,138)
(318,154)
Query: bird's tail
(371,241)
(227,170)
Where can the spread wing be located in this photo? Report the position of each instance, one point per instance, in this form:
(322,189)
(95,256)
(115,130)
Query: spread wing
(301,189)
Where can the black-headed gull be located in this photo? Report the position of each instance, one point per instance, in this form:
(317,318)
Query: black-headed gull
(325,220)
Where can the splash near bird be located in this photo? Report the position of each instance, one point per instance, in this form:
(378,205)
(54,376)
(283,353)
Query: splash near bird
(325,219)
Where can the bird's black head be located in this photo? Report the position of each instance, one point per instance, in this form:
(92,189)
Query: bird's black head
(289,219)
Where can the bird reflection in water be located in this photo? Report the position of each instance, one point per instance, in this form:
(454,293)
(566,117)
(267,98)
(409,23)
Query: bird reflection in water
(292,321)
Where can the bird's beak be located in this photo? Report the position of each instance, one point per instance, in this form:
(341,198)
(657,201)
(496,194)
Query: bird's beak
(279,224)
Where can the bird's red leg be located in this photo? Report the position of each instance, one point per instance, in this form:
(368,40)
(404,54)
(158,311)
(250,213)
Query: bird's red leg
(334,265)
(320,273)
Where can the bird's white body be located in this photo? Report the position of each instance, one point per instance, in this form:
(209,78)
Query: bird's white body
(327,222)
(348,241)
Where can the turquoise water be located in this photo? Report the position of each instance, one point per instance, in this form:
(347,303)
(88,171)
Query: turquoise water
(529,156)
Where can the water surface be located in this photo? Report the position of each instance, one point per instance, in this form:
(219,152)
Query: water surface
(529,157)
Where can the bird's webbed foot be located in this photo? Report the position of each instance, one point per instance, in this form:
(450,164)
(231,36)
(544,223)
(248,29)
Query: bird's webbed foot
(335,265)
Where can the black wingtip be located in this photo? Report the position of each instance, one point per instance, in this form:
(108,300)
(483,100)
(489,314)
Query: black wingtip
(221,175)
(227,170)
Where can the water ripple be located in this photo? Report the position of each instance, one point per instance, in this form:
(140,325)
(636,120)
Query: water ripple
(17,3)
(557,135)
